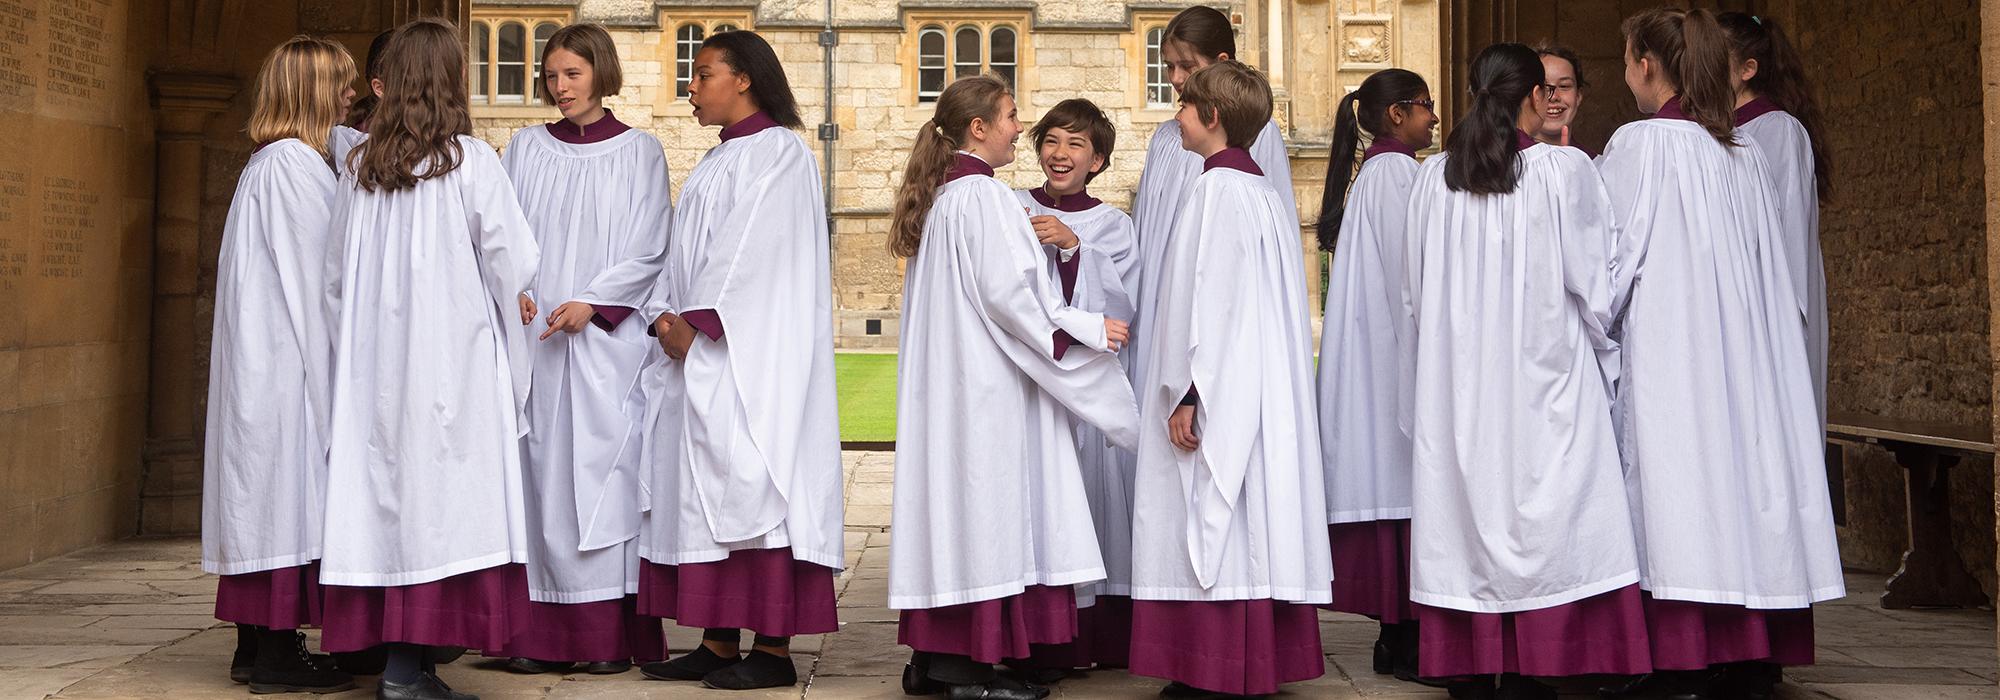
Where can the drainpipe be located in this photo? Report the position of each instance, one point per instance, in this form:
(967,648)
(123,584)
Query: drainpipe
(828,130)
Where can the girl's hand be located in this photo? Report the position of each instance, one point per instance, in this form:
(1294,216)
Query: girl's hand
(1565,140)
(1180,429)
(571,317)
(1052,231)
(1116,332)
(662,327)
(678,339)
(527,310)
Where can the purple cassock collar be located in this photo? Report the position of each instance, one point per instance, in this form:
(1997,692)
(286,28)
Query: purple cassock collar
(568,132)
(1081,201)
(748,125)
(1234,159)
(1672,110)
(964,164)
(1387,144)
(1522,140)
(1754,109)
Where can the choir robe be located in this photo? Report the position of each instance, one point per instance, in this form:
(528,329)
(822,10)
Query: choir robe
(1095,280)
(1788,162)
(1518,512)
(992,519)
(742,461)
(598,199)
(1717,425)
(340,142)
(264,461)
(1364,381)
(425,525)
(1231,531)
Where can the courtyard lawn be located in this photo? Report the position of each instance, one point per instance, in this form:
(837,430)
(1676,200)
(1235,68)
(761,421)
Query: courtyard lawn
(866,383)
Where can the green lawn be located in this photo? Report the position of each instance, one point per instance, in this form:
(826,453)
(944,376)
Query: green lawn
(867,386)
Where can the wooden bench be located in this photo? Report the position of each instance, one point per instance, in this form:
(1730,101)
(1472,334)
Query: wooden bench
(1932,575)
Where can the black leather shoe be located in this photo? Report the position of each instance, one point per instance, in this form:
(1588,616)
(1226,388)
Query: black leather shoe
(1384,662)
(1043,676)
(1517,687)
(522,664)
(760,669)
(999,689)
(692,666)
(1631,686)
(607,668)
(916,683)
(426,687)
(1750,680)
(1480,688)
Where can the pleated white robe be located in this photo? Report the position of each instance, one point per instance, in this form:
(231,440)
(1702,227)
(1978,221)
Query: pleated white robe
(430,378)
(341,141)
(1106,261)
(1242,516)
(743,449)
(1517,489)
(1365,348)
(600,214)
(1723,456)
(989,498)
(1788,161)
(264,459)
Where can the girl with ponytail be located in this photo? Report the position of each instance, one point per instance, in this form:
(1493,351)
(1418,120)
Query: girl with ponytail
(1363,457)
(987,480)
(1777,114)
(1523,562)
(1721,435)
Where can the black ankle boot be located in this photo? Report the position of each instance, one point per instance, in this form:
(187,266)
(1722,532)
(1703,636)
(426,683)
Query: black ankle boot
(245,657)
(285,666)
(1474,688)
(1751,680)
(1386,643)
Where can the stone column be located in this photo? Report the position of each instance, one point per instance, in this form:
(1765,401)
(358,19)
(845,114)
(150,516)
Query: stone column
(170,490)
(1989,60)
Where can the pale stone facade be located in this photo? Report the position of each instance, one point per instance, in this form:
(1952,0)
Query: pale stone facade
(1094,50)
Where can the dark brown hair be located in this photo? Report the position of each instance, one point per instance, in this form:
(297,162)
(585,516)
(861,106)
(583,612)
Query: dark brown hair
(1204,28)
(357,115)
(751,57)
(1565,53)
(1781,78)
(968,98)
(1693,54)
(1233,94)
(1080,116)
(413,134)
(1365,109)
(592,44)
(1483,147)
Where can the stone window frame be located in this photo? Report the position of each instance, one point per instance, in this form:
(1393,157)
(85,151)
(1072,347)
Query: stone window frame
(671,98)
(1144,23)
(489,102)
(686,46)
(951,23)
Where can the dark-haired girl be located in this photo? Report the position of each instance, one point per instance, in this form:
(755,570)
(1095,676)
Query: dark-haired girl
(1524,563)
(1362,378)
(743,456)
(1777,114)
(353,128)
(428,259)
(993,528)
(595,192)
(1717,421)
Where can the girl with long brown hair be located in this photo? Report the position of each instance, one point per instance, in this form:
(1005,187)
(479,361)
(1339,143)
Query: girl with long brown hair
(989,498)
(428,260)
(265,459)
(1718,425)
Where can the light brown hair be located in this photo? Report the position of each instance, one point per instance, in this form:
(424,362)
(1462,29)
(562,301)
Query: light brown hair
(969,98)
(413,134)
(1204,28)
(592,44)
(298,92)
(1080,116)
(1234,94)
(1692,52)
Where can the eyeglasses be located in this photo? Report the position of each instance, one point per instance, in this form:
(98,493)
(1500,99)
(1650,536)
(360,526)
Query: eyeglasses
(1426,104)
(1559,89)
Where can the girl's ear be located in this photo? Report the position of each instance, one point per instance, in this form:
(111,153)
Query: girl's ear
(1748,72)
(975,131)
(742,83)
(1397,114)
(1224,56)
(375,86)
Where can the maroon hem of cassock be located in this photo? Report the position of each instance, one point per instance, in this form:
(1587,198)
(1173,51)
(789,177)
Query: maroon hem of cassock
(765,591)
(991,631)
(1371,569)
(1238,647)
(1691,636)
(603,630)
(1605,633)
(468,610)
(1103,638)
(281,599)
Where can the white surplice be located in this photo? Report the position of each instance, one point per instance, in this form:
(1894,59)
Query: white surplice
(340,142)
(743,444)
(1243,516)
(1717,423)
(1106,262)
(989,498)
(1788,161)
(264,464)
(430,376)
(1364,347)
(600,215)
(1518,499)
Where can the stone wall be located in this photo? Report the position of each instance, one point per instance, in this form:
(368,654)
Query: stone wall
(76,207)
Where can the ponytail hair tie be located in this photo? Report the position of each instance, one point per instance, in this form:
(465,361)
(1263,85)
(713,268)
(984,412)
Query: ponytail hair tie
(1757,19)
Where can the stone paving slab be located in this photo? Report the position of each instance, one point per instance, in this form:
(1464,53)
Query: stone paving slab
(132,619)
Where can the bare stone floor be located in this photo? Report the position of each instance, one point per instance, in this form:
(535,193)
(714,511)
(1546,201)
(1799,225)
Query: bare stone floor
(133,619)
